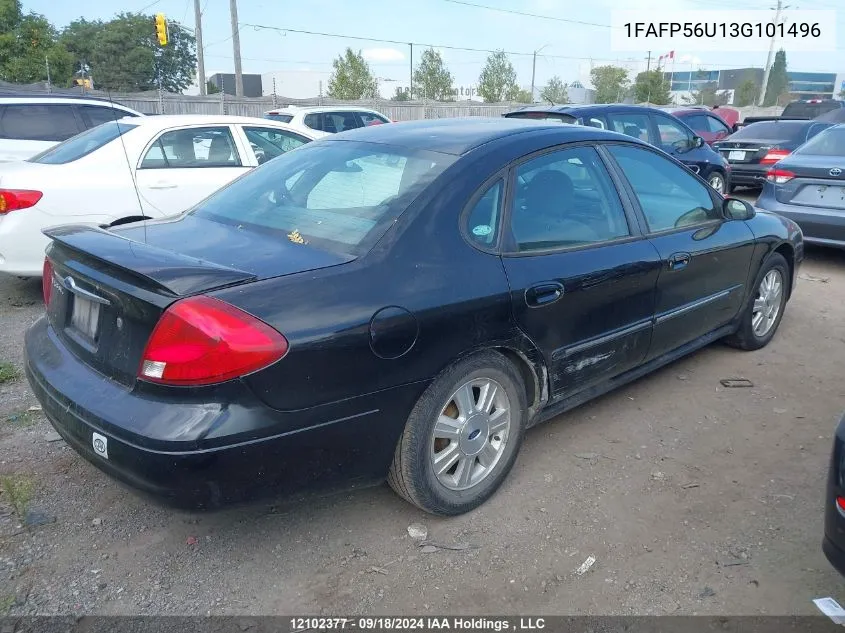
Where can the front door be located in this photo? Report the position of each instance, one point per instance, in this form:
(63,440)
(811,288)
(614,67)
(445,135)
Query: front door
(581,275)
(184,166)
(705,257)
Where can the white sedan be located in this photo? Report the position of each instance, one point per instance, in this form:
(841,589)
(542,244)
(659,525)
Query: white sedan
(126,170)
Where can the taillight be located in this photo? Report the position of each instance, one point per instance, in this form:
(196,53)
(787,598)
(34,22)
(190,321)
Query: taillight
(202,341)
(774,155)
(779,176)
(14,199)
(47,281)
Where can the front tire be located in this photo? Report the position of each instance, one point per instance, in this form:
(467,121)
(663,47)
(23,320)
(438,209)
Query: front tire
(717,181)
(762,316)
(462,436)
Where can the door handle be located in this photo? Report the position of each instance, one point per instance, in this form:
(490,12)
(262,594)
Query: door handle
(163,185)
(679,261)
(543,294)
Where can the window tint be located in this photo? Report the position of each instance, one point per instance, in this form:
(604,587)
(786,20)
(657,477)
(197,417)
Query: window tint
(669,195)
(831,142)
(95,115)
(632,124)
(35,122)
(335,196)
(698,122)
(716,126)
(672,135)
(268,143)
(314,121)
(565,198)
(339,121)
(82,144)
(193,147)
(483,220)
(368,118)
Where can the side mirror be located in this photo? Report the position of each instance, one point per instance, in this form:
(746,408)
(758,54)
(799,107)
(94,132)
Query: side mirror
(736,209)
(697,141)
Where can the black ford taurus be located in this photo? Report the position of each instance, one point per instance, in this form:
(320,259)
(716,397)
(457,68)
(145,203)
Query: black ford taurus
(401,301)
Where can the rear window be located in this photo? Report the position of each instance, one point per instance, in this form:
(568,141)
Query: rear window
(772,130)
(542,116)
(82,144)
(809,110)
(830,142)
(339,196)
(284,118)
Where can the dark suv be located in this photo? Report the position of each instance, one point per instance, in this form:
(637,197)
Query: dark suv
(652,125)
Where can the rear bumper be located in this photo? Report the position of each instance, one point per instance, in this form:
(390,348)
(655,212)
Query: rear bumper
(748,175)
(219,452)
(834,555)
(823,226)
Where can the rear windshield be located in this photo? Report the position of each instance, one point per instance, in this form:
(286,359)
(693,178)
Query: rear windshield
(542,116)
(830,142)
(82,144)
(809,110)
(284,118)
(336,195)
(772,130)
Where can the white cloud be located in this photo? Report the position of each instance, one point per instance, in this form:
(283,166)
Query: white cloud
(383,55)
(690,59)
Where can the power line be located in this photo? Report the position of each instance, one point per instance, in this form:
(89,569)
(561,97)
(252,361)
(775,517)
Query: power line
(151,4)
(526,14)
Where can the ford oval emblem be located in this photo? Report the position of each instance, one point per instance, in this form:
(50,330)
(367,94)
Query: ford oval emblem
(835,172)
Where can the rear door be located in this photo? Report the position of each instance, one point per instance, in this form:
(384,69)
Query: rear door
(183,166)
(581,274)
(705,258)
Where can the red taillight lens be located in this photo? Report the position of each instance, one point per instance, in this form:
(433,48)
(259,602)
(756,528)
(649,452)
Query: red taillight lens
(14,199)
(47,281)
(202,341)
(840,502)
(779,176)
(773,156)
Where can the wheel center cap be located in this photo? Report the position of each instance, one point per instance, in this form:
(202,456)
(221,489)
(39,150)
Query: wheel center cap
(474,434)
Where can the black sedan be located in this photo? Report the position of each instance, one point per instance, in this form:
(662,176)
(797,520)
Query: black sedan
(808,186)
(401,301)
(752,150)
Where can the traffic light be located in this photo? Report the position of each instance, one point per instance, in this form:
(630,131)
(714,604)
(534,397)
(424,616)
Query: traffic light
(161,29)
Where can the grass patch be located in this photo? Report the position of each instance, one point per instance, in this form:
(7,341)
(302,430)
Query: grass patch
(22,418)
(8,372)
(6,604)
(18,490)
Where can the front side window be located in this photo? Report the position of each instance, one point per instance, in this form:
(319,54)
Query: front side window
(565,198)
(268,143)
(82,144)
(193,148)
(672,135)
(631,124)
(670,197)
(339,196)
(698,122)
(340,121)
(369,118)
(716,126)
(593,121)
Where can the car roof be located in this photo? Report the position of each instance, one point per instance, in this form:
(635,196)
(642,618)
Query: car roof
(164,121)
(460,135)
(292,109)
(7,98)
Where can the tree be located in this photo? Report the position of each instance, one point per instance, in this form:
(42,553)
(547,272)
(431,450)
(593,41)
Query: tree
(497,81)
(707,94)
(778,80)
(431,78)
(28,43)
(351,78)
(401,94)
(520,95)
(610,83)
(211,88)
(555,91)
(747,93)
(79,38)
(652,86)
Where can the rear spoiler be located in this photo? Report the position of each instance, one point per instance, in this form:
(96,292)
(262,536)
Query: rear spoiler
(155,268)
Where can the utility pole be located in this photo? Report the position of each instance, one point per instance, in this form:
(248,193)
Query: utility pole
(200,52)
(236,47)
(648,62)
(411,84)
(769,58)
(49,84)
(533,72)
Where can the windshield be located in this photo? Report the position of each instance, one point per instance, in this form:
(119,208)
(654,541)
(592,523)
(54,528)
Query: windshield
(830,142)
(772,130)
(284,118)
(336,195)
(82,144)
(809,110)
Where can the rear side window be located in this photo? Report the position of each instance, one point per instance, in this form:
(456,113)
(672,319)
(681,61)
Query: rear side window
(483,220)
(830,142)
(93,116)
(340,121)
(698,123)
(635,125)
(37,122)
(314,121)
(772,130)
(329,195)
(82,144)
(716,126)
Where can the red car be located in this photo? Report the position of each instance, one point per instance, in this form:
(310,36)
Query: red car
(705,121)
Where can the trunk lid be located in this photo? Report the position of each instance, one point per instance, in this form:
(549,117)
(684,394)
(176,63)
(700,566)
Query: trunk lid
(110,287)
(749,150)
(813,184)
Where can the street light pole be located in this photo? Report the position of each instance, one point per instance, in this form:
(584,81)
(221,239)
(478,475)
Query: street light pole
(236,47)
(768,70)
(200,52)
(534,69)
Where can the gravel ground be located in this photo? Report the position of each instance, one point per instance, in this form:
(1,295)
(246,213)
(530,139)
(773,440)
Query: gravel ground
(693,499)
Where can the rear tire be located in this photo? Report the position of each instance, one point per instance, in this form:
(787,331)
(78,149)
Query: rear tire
(762,315)
(462,436)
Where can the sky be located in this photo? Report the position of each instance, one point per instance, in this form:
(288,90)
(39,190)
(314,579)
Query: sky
(569,49)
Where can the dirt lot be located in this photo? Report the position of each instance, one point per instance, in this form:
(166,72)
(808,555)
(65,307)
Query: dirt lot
(693,498)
